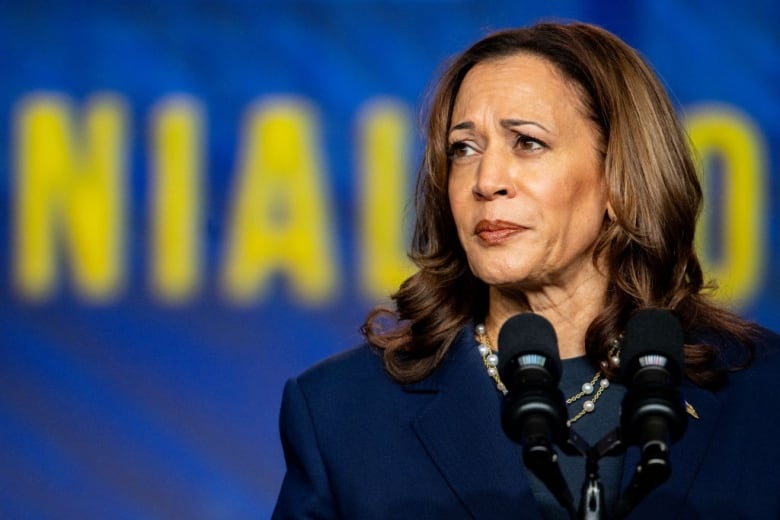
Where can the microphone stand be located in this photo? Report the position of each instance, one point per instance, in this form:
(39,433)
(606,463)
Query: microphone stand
(592,497)
(652,470)
(592,502)
(540,457)
(542,460)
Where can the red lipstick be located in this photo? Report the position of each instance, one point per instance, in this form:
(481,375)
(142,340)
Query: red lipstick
(493,232)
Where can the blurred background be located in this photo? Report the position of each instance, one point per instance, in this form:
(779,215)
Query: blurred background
(202,199)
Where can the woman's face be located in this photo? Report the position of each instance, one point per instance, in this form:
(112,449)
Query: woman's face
(526,183)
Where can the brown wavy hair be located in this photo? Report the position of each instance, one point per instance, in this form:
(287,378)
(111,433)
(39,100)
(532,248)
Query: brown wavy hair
(647,246)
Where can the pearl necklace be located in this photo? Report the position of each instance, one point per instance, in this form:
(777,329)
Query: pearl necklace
(490,360)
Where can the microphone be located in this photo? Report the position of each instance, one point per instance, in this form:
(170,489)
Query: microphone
(534,412)
(652,413)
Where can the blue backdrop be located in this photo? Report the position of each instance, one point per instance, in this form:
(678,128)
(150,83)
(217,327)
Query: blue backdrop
(202,199)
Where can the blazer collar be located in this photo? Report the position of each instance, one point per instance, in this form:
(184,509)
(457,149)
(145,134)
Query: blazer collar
(457,427)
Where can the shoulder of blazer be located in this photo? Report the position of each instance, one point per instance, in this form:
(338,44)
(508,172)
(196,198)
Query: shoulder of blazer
(355,365)
(762,376)
(363,368)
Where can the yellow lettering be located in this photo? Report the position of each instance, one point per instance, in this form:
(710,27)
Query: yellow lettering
(280,220)
(384,134)
(69,191)
(724,136)
(176,198)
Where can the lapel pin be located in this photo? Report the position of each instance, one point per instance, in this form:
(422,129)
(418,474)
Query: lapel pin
(691,410)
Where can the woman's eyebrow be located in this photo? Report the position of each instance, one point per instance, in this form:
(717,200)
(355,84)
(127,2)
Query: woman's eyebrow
(505,123)
(508,123)
(465,125)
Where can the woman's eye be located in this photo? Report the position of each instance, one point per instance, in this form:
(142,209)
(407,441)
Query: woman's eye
(527,143)
(459,149)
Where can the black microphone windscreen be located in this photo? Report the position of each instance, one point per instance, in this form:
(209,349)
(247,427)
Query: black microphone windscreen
(528,333)
(654,331)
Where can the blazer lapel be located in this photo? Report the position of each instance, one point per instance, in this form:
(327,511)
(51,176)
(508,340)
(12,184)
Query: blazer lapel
(686,457)
(460,430)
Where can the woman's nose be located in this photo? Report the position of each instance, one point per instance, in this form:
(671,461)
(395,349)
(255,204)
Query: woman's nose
(494,176)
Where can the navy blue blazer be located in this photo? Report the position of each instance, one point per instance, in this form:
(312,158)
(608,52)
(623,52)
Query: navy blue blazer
(359,445)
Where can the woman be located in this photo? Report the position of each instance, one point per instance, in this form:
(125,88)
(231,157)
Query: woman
(556,180)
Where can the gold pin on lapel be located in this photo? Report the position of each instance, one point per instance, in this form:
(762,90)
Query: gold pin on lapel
(691,410)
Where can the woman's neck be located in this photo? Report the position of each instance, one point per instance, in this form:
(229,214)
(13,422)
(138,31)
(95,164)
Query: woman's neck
(570,310)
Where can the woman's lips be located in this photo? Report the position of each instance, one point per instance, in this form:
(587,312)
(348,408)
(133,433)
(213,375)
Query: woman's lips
(493,232)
